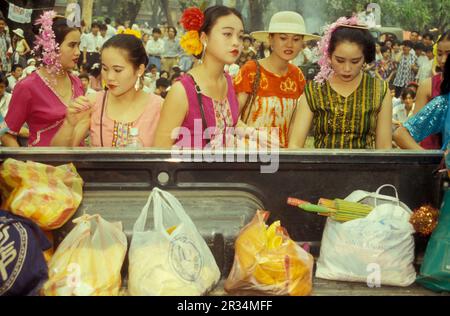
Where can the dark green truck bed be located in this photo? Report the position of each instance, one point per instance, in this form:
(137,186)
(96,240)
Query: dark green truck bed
(222,197)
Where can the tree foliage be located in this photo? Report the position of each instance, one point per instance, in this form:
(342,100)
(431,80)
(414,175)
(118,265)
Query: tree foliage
(408,14)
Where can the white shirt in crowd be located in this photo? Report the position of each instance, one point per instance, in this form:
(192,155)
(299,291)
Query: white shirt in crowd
(4,103)
(155,48)
(111,31)
(91,43)
(11,83)
(400,114)
(102,41)
(303,57)
(150,81)
(425,68)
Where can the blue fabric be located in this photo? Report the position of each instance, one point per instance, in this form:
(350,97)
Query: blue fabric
(155,61)
(434,118)
(23,269)
(3,127)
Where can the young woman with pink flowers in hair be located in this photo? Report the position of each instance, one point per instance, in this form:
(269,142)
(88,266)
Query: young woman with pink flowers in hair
(42,98)
(348,108)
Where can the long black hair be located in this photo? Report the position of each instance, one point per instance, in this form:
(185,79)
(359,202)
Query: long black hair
(445,86)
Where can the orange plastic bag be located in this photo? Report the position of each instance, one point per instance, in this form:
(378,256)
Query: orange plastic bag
(47,195)
(268,262)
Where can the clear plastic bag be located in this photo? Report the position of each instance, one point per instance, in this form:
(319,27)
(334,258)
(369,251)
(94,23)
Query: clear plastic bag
(89,260)
(173,259)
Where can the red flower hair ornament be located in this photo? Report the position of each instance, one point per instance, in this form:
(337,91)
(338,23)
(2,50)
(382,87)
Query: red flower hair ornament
(192,19)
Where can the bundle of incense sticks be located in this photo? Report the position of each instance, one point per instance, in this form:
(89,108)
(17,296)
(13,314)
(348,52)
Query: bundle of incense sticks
(339,210)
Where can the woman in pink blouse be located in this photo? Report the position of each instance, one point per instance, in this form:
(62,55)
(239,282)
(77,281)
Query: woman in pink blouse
(41,100)
(109,116)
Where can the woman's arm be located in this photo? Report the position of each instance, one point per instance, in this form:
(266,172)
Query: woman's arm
(27,48)
(301,125)
(384,124)
(173,113)
(404,140)
(9,140)
(423,95)
(429,121)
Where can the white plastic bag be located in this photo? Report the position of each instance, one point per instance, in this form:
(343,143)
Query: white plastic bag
(172,259)
(378,249)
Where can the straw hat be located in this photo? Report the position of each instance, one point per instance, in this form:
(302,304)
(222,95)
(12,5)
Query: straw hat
(19,32)
(285,22)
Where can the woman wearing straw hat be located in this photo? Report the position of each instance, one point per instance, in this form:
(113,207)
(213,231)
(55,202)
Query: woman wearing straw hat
(348,108)
(268,89)
(20,48)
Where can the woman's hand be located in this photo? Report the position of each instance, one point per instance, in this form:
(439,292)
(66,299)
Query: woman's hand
(79,111)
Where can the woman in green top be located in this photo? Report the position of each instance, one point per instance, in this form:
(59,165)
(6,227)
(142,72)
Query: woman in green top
(349,109)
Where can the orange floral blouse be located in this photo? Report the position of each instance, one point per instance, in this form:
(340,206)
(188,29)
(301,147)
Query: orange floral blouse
(276,100)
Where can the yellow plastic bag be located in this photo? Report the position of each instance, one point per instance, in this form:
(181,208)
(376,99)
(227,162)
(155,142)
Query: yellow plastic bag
(47,195)
(268,262)
(89,260)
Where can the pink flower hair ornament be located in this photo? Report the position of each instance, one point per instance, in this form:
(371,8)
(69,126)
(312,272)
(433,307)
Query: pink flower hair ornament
(326,71)
(46,44)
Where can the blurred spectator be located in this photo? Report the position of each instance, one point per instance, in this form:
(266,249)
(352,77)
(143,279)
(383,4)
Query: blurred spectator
(304,57)
(95,77)
(403,112)
(31,67)
(155,48)
(5,97)
(150,78)
(90,46)
(162,86)
(5,45)
(20,48)
(103,35)
(428,39)
(414,38)
(14,77)
(405,70)
(164,74)
(172,51)
(385,68)
(85,81)
(426,65)
(111,31)
(248,53)
(264,51)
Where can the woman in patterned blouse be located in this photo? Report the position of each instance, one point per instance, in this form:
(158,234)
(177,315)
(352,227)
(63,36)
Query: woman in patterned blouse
(269,108)
(351,109)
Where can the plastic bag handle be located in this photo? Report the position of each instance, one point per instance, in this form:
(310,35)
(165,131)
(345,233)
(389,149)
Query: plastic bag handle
(139,226)
(160,198)
(167,199)
(377,194)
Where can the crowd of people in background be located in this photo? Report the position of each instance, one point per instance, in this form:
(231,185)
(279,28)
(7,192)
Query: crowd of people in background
(411,68)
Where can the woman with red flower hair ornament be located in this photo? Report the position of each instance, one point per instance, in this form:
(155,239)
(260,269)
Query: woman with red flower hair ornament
(201,108)
(269,89)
